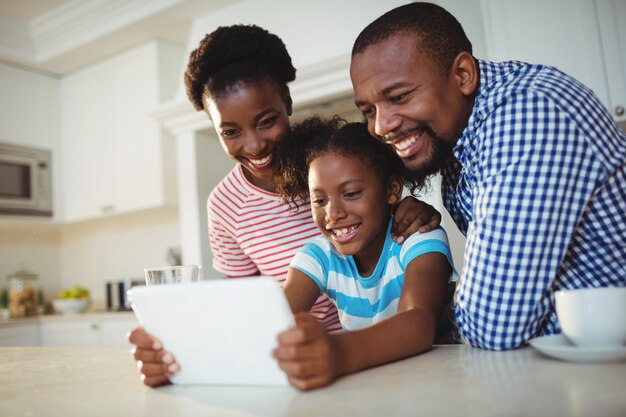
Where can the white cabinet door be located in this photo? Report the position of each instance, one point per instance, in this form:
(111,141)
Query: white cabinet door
(97,330)
(114,332)
(26,334)
(74,332)
(86,151)
(560,33)
(612,22)
(115,156)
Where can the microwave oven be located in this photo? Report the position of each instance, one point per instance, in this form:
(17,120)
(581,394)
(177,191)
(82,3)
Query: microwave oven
(25,180)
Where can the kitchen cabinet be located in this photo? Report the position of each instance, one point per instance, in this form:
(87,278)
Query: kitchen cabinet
(580,37)
(94,329)
(612,16)
(20,334)
(115,157)
(87,330)
(70,333)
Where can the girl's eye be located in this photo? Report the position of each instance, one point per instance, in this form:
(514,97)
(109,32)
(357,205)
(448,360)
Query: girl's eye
(229,133)
(318,202)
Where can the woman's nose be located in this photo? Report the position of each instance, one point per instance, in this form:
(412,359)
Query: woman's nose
(254,144)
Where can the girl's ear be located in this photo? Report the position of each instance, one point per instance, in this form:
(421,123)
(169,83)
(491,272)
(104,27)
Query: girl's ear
(394,191)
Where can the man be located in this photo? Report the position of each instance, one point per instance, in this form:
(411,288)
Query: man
(533,168)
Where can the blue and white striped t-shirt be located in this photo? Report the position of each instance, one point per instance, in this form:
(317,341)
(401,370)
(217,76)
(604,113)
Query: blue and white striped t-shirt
(362,301)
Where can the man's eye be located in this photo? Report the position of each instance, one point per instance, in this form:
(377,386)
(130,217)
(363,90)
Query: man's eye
(368,112)
(397,98)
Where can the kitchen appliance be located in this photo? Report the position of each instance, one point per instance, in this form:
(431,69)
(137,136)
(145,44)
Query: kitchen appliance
(117,299)
(25,180)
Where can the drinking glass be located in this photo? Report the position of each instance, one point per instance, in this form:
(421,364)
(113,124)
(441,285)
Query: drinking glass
(173,274)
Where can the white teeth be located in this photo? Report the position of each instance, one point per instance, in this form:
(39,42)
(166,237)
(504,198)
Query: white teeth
(404,144)
(343,231)
(260,161)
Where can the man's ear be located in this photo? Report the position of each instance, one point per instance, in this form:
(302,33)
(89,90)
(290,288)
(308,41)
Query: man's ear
(465,72)
(394,191)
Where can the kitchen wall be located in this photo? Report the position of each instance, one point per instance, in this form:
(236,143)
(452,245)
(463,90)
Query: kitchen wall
(35,249)
(97,251)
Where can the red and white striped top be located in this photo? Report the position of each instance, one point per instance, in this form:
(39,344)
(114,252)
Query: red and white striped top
(254,232)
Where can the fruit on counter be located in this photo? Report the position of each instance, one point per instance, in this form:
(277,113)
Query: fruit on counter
(74,292)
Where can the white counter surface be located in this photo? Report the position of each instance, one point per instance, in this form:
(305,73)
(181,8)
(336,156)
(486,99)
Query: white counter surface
(99,315)
(447,381)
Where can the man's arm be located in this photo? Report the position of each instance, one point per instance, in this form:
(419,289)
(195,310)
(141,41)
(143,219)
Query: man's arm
(532,185)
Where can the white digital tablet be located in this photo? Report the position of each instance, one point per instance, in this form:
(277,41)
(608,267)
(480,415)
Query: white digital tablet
(220,331)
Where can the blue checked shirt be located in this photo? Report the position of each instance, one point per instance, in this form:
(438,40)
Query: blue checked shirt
(539,189)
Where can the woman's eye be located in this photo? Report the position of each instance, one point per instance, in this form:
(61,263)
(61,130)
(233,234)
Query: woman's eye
(268,122)
(318,201)
(353,194)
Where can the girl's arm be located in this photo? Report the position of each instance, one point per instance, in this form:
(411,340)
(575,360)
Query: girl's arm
(301,291)
(313,358)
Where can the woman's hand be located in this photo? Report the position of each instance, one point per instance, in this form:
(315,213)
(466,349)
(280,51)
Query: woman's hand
(412,215)
(156,365)
(307,354)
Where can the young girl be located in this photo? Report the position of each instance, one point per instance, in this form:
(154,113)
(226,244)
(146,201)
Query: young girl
(239,76)
(390,296)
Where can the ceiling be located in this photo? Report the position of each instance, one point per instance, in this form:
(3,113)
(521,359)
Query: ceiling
(60,36)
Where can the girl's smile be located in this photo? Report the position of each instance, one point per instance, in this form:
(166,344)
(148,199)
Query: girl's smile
(344,234)
(350,204)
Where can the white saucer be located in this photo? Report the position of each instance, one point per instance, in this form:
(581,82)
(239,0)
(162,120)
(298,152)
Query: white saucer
(557,346)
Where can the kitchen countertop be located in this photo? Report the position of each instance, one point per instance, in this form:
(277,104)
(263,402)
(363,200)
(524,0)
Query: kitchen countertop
(96,315)
(452,380)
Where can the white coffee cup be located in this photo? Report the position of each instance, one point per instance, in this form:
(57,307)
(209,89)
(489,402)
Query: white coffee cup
(173,274)
(593,316)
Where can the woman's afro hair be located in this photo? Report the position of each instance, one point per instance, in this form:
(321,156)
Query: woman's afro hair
(235,54)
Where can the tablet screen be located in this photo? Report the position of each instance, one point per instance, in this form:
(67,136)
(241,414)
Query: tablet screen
(220,331)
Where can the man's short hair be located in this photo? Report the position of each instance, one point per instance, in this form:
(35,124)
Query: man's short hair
(439,33)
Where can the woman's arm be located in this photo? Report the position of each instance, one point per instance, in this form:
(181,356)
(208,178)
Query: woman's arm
(312,358)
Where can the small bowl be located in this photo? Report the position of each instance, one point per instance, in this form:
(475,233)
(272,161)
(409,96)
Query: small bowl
(71,305)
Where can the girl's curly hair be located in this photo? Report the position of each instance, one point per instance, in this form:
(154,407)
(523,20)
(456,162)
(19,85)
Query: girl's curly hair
(236,54)
(316,136)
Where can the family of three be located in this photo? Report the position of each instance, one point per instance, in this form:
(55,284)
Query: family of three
(533,173)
